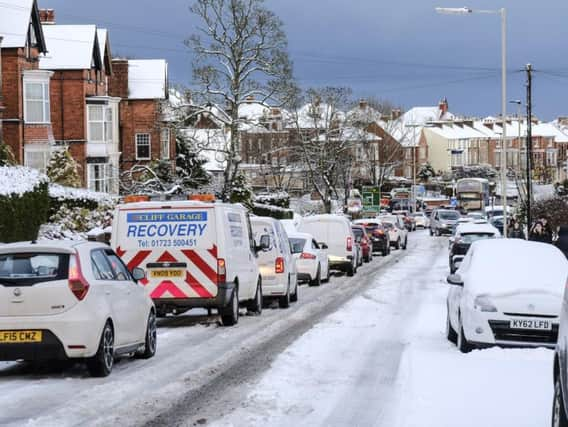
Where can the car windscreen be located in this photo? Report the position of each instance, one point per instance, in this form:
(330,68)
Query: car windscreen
(29,268)
(450,215)
(297,245)
(473,237)
(388,225)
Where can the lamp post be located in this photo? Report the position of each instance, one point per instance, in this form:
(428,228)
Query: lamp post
(413,146)
(519,106)
(502,13)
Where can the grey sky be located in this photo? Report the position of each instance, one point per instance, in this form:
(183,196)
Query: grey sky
(399,50)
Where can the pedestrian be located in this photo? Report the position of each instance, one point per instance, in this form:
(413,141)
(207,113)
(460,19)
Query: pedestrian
(536,232)
(515,230)
(562,242)
(547,230)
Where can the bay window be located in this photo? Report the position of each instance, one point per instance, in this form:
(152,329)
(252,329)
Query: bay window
(100,123)
(36,102)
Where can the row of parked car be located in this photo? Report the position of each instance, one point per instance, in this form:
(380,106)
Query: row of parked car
(508,293)
(95,301)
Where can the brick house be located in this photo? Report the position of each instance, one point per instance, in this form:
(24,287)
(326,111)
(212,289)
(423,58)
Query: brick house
(26,118)
(146,134)
(84,118)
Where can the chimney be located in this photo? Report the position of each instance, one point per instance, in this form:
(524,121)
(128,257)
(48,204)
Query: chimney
(395,113)
(363,104)
(443,106)
(47,16)
(118,81)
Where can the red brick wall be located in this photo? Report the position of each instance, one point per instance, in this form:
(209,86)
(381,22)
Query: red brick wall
(118,82)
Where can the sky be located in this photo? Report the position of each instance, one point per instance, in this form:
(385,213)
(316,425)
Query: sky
(400,50)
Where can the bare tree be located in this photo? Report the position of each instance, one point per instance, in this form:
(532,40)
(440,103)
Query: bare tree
(240,52)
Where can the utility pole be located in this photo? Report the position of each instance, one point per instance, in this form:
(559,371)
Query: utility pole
(529,145)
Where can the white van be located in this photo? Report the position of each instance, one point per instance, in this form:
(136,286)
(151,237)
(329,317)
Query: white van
(334,232)
(275,261)
(196,254)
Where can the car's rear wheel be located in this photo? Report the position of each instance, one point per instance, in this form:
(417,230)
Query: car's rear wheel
(151,338)
(294,296)
(255,306)
(100,365)
(405,244)
(463,345)
(350,270)
(284,300)
(397,244)
(559,418)
(316,281)
(451,333)
(230,313)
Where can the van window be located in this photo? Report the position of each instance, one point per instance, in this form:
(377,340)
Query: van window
(251,237)
(236,228)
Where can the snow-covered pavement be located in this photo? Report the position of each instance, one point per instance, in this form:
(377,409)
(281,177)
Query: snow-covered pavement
(383,360)
(362,351)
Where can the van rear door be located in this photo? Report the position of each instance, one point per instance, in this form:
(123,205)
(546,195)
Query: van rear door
(177,246)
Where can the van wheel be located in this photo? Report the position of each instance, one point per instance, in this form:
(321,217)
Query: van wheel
(397,244)
(284,300)
(559,418)
(100,365)
(405,244)
(230,313)
(317,280)
(150,342)
(294,296)
(350,270)
(255,306)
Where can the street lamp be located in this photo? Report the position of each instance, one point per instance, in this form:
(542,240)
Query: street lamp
(519,104)
(502,13)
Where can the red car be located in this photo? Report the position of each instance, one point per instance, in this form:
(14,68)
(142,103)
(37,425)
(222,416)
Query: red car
(363,240)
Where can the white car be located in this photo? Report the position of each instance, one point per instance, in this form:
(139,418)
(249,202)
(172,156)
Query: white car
(275,261)
(506,292)
(398,234)
(311,258)
(72,300)
(421,220)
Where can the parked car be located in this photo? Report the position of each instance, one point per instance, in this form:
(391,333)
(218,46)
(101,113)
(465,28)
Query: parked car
(560,369)
(497,222)
(197,255)
(407,219)
(421,220)
(398,234)
(465,235)
(443,221)
(363,240)
(312,263)
(72,300)
(499,298)
(276,263)
(378,235)
(476,215)
(334,231)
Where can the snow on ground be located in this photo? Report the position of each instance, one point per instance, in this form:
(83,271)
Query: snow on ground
(383,360)
(19,180)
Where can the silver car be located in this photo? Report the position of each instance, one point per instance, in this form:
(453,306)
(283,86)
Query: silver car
(443,221)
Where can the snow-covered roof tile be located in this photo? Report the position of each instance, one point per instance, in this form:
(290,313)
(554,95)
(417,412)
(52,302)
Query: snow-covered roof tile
(70,47)
(147,78)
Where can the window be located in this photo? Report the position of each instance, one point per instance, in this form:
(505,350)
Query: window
(142,146)
(37,156)
(120,270)
(98,177)
(165,143)
(36,102)
(100,123)
(101,266)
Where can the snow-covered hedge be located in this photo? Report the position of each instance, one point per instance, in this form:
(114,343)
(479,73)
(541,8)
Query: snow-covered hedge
(272,211)
(76,198)
(24,203)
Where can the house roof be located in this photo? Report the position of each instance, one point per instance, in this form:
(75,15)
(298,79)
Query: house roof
(71,47)
(104,48)
(15,19)
(423,115)
(147,79)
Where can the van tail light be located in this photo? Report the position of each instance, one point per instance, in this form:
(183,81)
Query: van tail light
(221,271)
(279,265)
(349,243)
(77,282)
(306,255)
(379,233)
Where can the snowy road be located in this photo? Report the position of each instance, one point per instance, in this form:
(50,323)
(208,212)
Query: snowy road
(363,351)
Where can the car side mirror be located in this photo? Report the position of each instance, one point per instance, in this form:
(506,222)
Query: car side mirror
(322,245)
(264,243)
(455,279)
(138,274)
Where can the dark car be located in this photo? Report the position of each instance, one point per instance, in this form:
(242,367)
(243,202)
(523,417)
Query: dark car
(364,241)
(378,237)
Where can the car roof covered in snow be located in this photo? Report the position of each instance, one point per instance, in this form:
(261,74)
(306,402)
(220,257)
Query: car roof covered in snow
(476,228)
(512,266)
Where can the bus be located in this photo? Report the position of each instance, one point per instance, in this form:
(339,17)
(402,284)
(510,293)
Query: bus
(472,194)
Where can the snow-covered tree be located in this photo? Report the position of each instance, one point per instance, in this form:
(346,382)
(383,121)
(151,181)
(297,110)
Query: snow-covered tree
(63,169)
(189,166)
(240,52)
(425,172)
(241,192)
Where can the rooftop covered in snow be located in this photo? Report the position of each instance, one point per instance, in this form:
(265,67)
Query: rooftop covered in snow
(15,19)
(147,79)
(71,47)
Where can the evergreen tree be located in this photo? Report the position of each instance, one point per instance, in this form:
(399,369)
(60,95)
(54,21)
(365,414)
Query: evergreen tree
(189,167)
(63,169)
(241,192)
(426,172)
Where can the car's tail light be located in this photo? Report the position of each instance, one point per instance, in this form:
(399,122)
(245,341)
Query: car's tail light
(378,233)
(77,282)
(349,243)
(279,265)
(221,271)
(306,255)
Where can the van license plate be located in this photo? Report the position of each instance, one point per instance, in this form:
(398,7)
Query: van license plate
(536,324)
(12,337)
(166,274)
